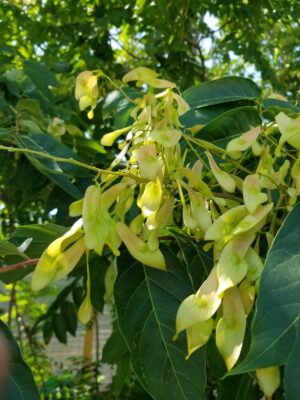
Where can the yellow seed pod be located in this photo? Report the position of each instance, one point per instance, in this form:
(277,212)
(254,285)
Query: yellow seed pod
(94,215)
(166,137)
(139,249)
(87,92)
(113,193)
(109,280)
(99,227)
(254,265)
(123,203)
(201,214)
(75,209)
(247,293)
(183,106)
(112,239)
(141,74)
(44,272)
(295,172)
(232,266)
(136,225)
(265,167)
(51,269)
(268,380)
(231,328)
(198,335)
(58,259)
(85,311)
(195,180)
(243,142)
(253,197)
(81,84)
(188,219)
(200,211)
(200,306)
(151,198)
(149,162)
(253,222)
(266,182)
(109,138)
(92,87)
(164,214)
(224,179)
(280,175)
(224,224)
(60,244)
(84,102)
(293,196)
(256,148)
(289,129)
(66,261)
(152,240)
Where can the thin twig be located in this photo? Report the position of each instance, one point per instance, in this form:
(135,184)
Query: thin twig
(128,51)
(20,265)
(228,196)
(170,237)
(72,161)
(11,304)
(197,47)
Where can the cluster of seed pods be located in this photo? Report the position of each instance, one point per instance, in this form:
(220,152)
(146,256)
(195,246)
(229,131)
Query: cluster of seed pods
(232,209)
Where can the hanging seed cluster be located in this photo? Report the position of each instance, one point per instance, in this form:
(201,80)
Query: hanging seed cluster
(207,192)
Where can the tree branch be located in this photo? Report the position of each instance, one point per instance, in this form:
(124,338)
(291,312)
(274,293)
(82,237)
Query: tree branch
(128,51)
(20,265)
(72,161)
(197,47)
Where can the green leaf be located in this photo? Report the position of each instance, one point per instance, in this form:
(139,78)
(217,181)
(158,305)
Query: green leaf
(237,388)
(15,275)
(147,301)
(276,321)
(47,331)
(98,268)
(61,297)
(116,104)
(202,116)
(292,370)
(122,116)
(69,313)
(122,375)
(52,146)
(84,147)
(229,125)
(11,254)
(41,76)
(30,108)
(21,385)
(276,106)
(111,102)
(115,348)
(220,91)
(9,249)
(52,169)
(196,260)
(59,327)
(35,238)
(115,352)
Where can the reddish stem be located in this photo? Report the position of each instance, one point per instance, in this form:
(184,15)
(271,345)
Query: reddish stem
(20,265)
